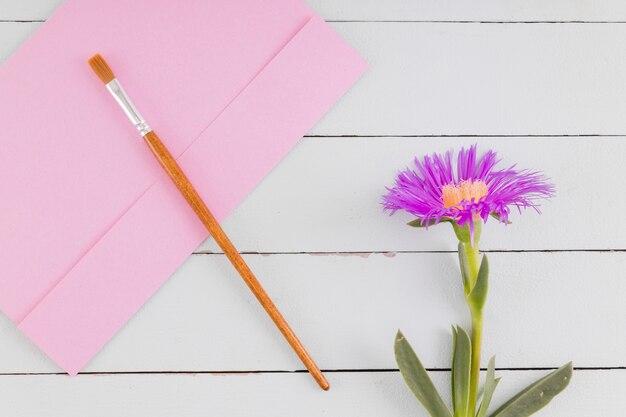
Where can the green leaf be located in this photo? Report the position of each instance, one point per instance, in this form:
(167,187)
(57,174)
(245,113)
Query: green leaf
(490,386)
(536,396)
(454,336)
(476,299)
(417,378)
(461,361)
(432,222)
(464,263)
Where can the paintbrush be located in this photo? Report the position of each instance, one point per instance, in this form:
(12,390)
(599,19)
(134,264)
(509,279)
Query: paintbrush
(167,161)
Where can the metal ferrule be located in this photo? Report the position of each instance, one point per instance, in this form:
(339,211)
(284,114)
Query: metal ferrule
(129,108)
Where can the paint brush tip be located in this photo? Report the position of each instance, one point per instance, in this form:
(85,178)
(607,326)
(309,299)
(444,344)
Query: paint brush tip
(101,68)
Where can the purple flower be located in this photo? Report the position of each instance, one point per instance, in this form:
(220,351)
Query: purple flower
(435,192)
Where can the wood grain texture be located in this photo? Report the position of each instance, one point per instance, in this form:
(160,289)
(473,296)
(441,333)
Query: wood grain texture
(27,10)
(476,79)
(407,10)
(178,177)
(325,197)
(276,395)
(481,79)
(543,310)
(462,11)
(12,35)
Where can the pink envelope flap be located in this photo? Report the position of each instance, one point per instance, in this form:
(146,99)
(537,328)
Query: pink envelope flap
(139,241)
(72,164)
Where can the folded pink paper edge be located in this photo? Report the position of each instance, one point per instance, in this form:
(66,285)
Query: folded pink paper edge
(78,187)
(71,333)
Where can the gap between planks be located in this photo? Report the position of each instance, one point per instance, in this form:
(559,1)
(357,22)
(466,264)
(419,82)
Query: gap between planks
(297,371)
(401,252)
(493,22)
(21,21)
(472,135)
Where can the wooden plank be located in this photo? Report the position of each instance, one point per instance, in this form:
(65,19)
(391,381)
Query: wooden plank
(27,10)
(325,196)
(592,393)
(12,35)
(406,10)
(482,10)
(544,309)
(481,79)
(473,79)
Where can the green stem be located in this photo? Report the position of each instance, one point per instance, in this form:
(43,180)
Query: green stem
(477,336)
(473,265)
(473,262)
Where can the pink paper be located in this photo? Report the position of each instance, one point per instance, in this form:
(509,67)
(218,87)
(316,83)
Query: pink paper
(91,227)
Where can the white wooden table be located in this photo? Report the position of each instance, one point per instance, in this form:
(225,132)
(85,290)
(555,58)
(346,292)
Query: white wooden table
(544,83)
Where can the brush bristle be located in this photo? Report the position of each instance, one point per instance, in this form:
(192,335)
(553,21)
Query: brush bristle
(101,68)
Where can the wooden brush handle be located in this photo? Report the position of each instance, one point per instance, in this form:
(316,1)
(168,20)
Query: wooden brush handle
(195,201)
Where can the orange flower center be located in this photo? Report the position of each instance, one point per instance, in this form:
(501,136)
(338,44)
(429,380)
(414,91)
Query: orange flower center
(454,194)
